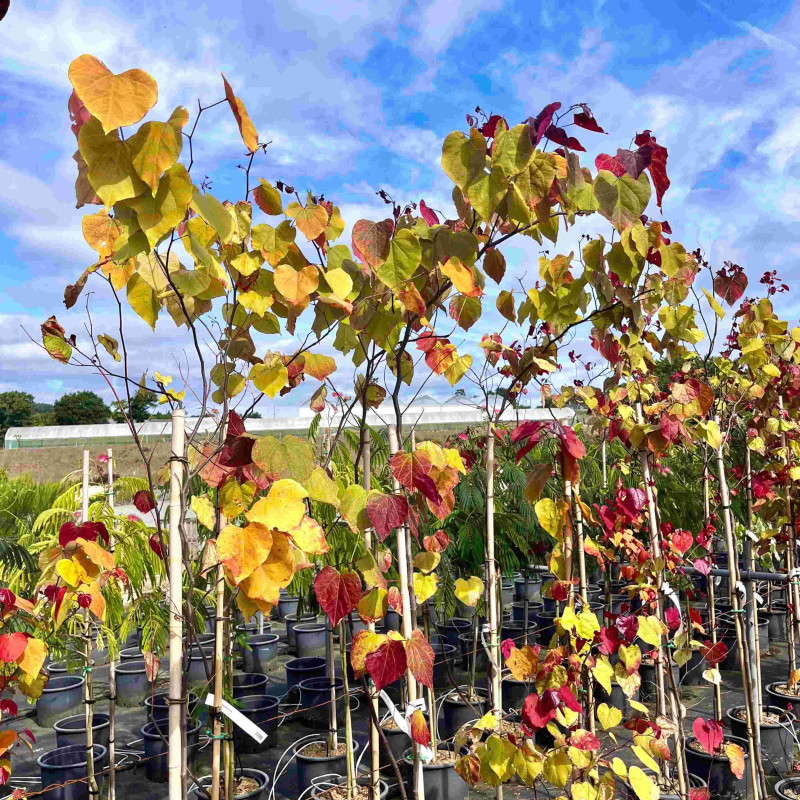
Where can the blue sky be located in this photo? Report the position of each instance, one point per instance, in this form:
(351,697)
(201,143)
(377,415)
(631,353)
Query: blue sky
(357,96)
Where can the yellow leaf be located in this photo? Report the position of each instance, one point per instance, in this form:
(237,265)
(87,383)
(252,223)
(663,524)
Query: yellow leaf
(71,572)
(309,536)
(637,706)
(322,488)
(557,768)
(462,277)
(712,301)
(246,127)
(469,591)
(204,509)
(296,285)
(619,768)
(641,784)
(271,376)
(364,643)
(30,662)
(115,100)
(283,507)
(426,562)
(608,716)
(550,516)
(155,147)
(603,672)
(143,300)
(488,722)
(425,586)
(650,630)
(100,232)
(242,550)
(340,282)
(311,220)
(374,604)
(587,625)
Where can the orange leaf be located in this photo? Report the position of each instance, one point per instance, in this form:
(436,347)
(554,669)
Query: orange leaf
(419,728)
(243,550)
(96,554)
(246,127)
(736,757)
(7,740)
(32,659)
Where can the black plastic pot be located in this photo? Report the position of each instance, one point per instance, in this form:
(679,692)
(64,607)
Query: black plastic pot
(716,770)
(516,631)
(467,642)
(69,764)
(310,639)
(156,748)
(507,592)
(62,697)
(518,611)
(263,649)
(157,706)
(262,710)
(249,684)
(441,781)
(315,696)
(776,621)
(326,782)
(292,620)
(133,684)
(72,730)
(442,654)
(649,686)
(787,783)
(451,629)
(463,611)
(198,657)
(310,767)
(546,626)
(775,697)
(456,712)
(58,668)
(732,661)
(777,742)
(298,669)
(519,589)
(398,744)
(286,604)
(393,620)
(617,699)
(131,654)
(514,692)
(202,789)
(692,671)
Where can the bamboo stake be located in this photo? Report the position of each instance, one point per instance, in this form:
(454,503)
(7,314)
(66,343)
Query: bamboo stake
(348,722)
(219,643)
(333,737)
(605,463)
(112,669)
(369,546)
(402,567)
(756,767)
(664,662)
(491,571)
(712,614)
(176,705)
(585,598)
(751,599)
(88,684)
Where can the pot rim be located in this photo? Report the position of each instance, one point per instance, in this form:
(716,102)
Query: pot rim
(77,680)
(292,663)
(243,772)
(338,683)
(298,753)
(455,700)
(309,627)
(769,725)
(79,749)
(717,756)
(105,722)
(149,734)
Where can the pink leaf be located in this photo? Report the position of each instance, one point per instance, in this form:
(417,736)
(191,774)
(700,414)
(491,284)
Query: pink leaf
(708,733)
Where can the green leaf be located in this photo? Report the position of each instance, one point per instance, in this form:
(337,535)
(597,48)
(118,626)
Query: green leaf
(154,148)
(486,190)
(158,214)
(405,254)
(512,150)
(143,300)
(290,457)
(621,200)
(214,213)
(464,159)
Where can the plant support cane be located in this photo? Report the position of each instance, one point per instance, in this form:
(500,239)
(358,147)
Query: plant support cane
(112,670)
(88,701)
(175,606)
(756,768)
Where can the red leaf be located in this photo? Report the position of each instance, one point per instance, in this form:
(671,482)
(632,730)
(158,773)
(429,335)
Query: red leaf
(730,287)
(387,663)
(673,618)
(657,156)
(419,728)
(540,123)
(419,656)
(436,543)
(395,599)
(586,120)
(337,592)
(708,733)
(584,740)
(144,501)
(634,161)
(8,707)
(12,646)
(699,794)
(682,540)
(715,654)
(559,136)
(539,710)
(386,512)
(155,546)
(610,163)
(70,531)
(609,640)
(428,214)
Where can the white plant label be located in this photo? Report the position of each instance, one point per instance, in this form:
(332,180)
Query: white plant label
(237,718)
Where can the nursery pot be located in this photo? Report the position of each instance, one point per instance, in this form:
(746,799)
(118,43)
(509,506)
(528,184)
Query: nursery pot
(716,770)
(248,684)
(69,764)
(157,706)
(202,789)
(442,654)
(56,668)
(649,687)
(358,626)
(286,604)
(781,788)
(692,671)
(441,781)
(777,742)
(464,611)
(156,748)
(776,621)
(326,782)
(393,620)
(62,697)
(617,698)
(310,639)
(262,710)
(263,649)
(514,692)
(198,658)
(518,611)
(298,669)
(133,684)
(315,696)
(507,592)
(467,643)
(519,589)
(516,631)
(131,654)
(72,730)
(310,767)
(252,628)
(451,629)
(398,744)
(458,712)
(545,626)
(293,619)
(774,695)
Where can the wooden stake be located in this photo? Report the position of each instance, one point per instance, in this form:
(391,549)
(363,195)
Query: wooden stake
(88,684)
(491,572)
(369,546)
(175,605)
(112,668)
(752,632)
(402,567)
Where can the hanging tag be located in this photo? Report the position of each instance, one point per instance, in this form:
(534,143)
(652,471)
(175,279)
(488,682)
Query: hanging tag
(752,536)
(425,753)
(237,718)
(670,593)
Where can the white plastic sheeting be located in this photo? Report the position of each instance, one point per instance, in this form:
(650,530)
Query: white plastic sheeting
(414,415)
